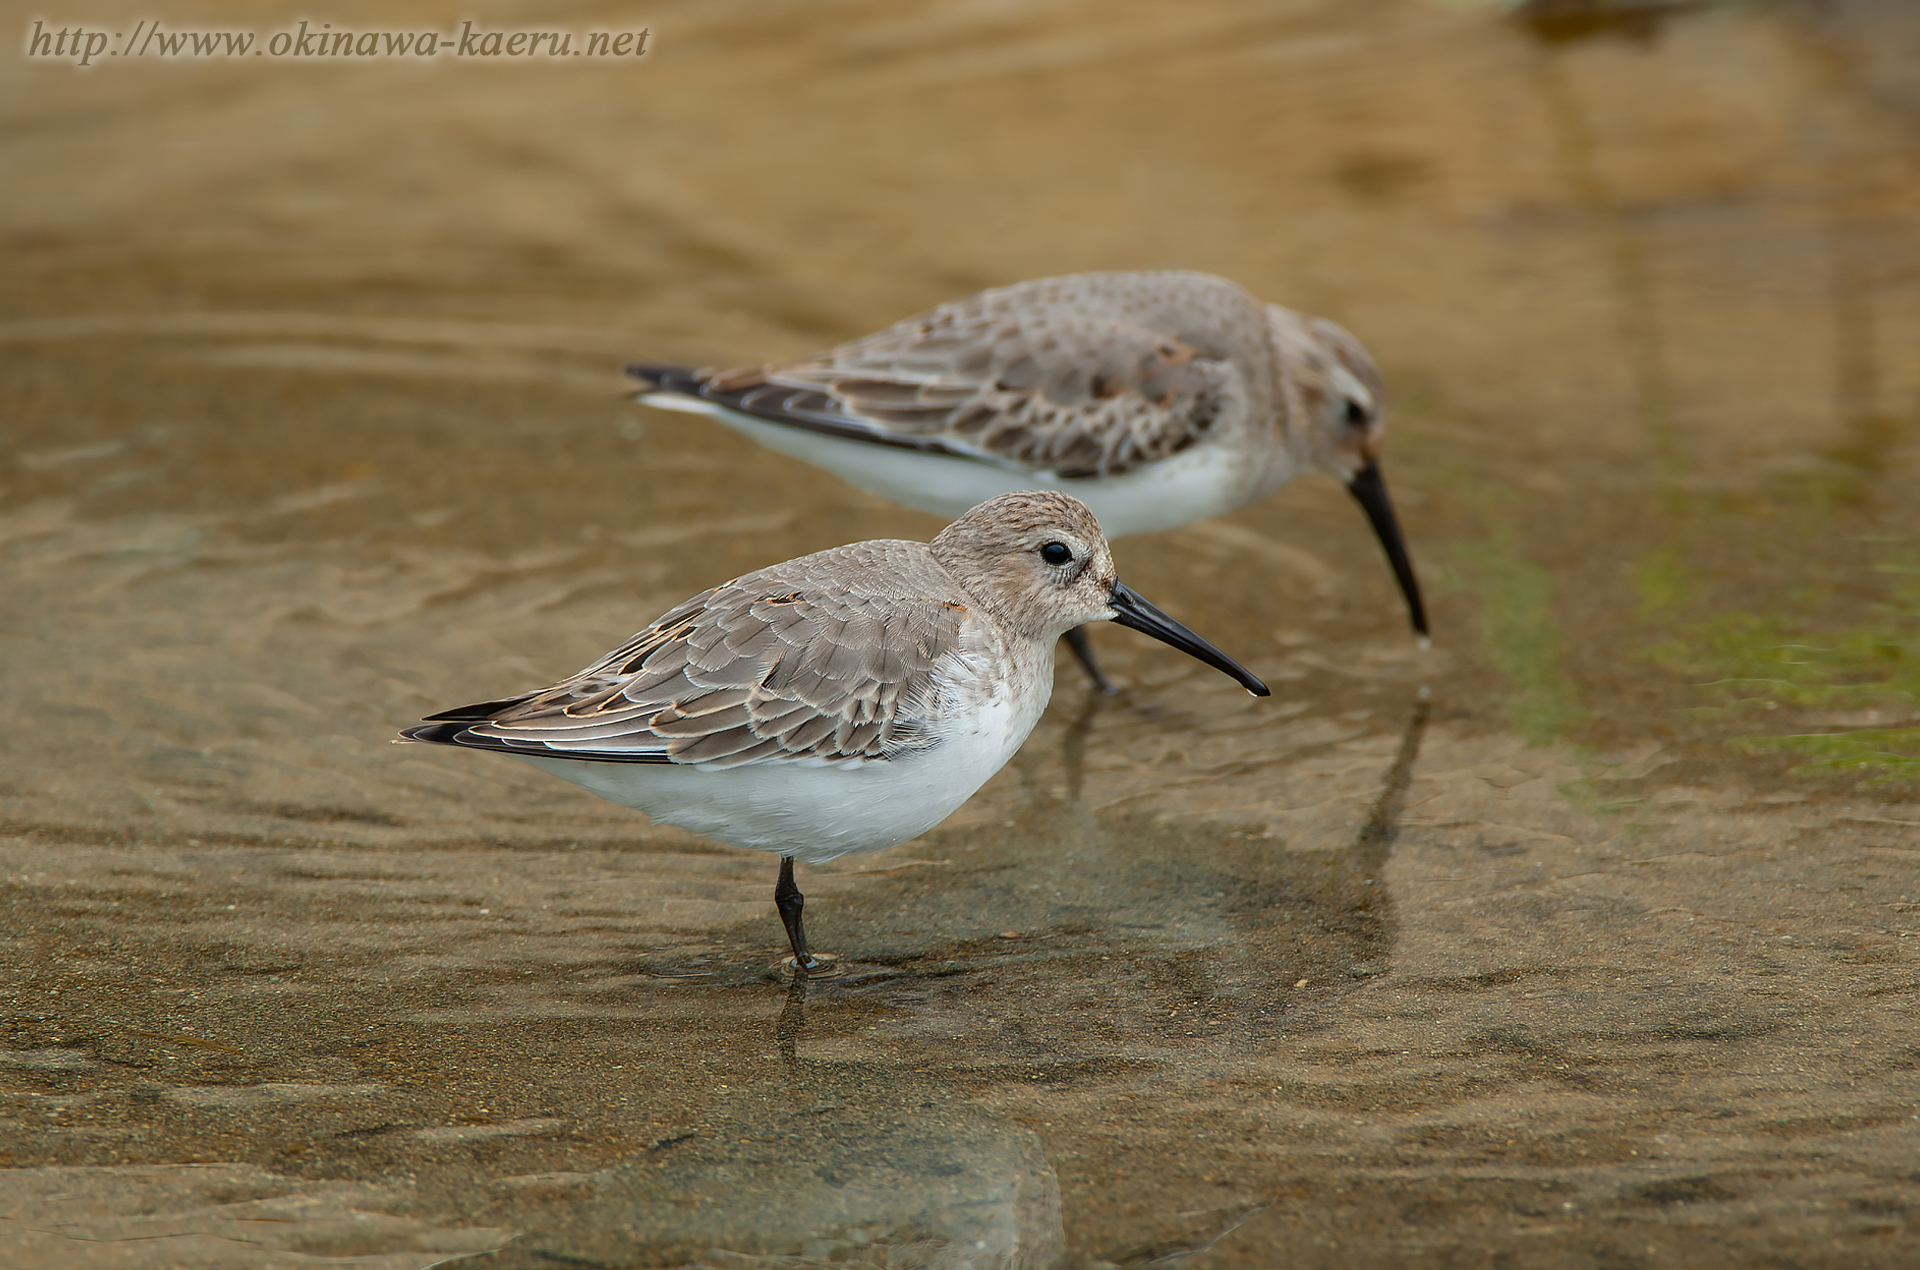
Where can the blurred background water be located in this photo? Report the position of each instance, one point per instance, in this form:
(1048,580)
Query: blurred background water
(1604,955)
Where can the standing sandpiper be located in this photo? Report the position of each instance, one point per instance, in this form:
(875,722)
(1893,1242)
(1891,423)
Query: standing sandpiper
(839,703)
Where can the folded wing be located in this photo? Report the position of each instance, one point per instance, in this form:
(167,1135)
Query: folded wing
(1082,376)
(761,669)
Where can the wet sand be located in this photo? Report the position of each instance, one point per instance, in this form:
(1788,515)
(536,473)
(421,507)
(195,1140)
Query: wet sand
(1599,953)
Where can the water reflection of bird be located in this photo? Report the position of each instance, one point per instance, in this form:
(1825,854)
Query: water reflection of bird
(1158,399)
(838,703)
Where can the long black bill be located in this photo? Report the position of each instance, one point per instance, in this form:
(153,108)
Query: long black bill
(1370,488)
(1130,610)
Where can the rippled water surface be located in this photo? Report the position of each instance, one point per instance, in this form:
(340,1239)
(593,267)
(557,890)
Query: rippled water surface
(1601,953)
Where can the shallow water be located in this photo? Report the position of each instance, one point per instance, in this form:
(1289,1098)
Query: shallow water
(1600,954)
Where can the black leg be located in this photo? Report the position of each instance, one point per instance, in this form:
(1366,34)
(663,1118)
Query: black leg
(793,1019)
(1083,649)
(787,898)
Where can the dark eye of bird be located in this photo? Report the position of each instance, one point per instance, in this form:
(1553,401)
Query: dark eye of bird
(1056,553)
(1356,413)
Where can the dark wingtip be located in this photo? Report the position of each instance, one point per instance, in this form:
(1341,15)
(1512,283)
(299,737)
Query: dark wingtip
(435,733)
(660,378)
(445,728)
(453,731)
(478,710)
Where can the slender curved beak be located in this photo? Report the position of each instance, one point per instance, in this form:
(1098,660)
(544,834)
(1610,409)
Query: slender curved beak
(1370,488)
(1130,610)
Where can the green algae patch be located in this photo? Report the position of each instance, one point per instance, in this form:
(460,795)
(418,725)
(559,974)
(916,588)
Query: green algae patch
(1883,756)
(1521,638)
(1846,686)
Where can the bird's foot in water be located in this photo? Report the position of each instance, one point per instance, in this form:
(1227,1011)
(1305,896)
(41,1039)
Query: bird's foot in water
(820,966)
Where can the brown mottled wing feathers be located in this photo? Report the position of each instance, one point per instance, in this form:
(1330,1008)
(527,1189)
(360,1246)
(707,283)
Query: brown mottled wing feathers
(1087,375)
(793,662)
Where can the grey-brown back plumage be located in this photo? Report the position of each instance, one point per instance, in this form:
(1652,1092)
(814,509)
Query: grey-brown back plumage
(829,656)
(1086,375)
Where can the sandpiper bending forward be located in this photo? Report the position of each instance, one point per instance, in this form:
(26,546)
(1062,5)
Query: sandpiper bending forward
(1157,398)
